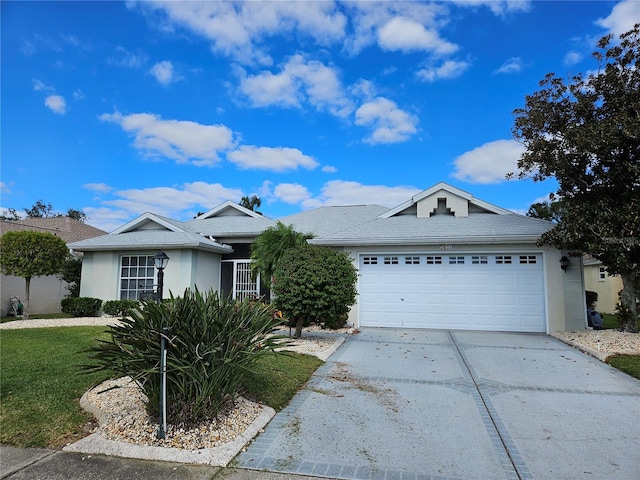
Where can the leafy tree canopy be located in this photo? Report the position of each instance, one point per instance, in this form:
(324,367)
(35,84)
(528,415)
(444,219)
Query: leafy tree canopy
(30,254)
(270,245)
(43,210)
(314,283)
(585,132)
(252,203)
(551,211)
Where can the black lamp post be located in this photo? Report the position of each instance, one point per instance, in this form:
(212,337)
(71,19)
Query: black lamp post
(160,260)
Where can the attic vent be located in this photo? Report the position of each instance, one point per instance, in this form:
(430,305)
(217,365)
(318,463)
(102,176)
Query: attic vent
(441,209)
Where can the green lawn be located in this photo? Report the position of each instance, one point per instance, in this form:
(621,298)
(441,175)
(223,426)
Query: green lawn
(40,387)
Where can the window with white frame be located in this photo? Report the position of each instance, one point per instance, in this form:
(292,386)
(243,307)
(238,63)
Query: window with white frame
(391,260)
(370,260)
(434,260)
(412,260)
(503,259)
(602,273)
(137,277)
(479,259)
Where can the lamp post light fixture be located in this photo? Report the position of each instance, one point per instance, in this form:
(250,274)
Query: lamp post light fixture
(160,260)
(564,263)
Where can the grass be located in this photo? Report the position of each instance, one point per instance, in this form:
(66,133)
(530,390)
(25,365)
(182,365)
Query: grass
(629,364)
(40,387)
(276,378)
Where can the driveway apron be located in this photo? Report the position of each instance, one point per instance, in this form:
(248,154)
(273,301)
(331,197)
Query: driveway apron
(393,403)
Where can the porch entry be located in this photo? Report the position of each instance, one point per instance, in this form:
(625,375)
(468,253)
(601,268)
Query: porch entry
(236,280)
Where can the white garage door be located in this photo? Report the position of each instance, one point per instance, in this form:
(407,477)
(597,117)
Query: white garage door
(466,292)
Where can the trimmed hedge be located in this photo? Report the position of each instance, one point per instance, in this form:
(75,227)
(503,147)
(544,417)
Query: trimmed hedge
(120,308)
(81,306)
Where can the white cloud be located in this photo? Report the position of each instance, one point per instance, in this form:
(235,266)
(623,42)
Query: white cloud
(278,159)
(163,73)
(183,141)
(406,34)
(622,18)
(40,86)
(242,29)
(329,169)
(299,81)
(127,59)
(56,103)
(449,69)
(390,124)
(488,163)
(572,58)
(498,7)
(292,193)
(172,202)
(4,188)
(341,192)
(97,187)
(513,65)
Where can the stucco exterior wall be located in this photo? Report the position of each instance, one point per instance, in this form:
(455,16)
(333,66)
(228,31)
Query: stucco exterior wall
(46,293)
(186,269)
(607,288)
(564,291)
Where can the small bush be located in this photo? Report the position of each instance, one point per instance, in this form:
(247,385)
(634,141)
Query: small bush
(592,298)
(213,342)
(120,308)
(81,306)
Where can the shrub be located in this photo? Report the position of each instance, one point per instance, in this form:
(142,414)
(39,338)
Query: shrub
(81,306)
(120,308)
(592,298)
(213,342)
(315,284)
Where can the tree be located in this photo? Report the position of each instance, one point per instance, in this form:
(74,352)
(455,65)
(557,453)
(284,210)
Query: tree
(78,215)
(71,272)
(270,245)
(41,210)
(314,283)
(585,132)
(30,254)
(551,211)
(251,203)
(10,215)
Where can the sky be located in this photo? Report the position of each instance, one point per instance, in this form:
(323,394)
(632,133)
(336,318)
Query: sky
(121,108)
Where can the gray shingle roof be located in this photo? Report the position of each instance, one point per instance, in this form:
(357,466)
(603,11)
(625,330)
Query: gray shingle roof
(149,239)
(229,226)
(66,228)
(409,230)
(327,220)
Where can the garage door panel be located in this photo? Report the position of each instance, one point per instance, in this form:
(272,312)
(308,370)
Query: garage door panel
(490,294)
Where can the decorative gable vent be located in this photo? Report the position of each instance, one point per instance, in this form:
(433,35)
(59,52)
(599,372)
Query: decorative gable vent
(443,203)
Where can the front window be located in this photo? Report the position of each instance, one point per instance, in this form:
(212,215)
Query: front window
(137,277)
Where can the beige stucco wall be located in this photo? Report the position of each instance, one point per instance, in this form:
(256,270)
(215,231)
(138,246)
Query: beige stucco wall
(564,290)
(607,289)
(186,269)
(46,293)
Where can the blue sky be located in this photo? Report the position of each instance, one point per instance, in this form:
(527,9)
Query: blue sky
(174,107)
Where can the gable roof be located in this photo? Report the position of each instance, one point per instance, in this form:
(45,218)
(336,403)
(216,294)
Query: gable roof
(444,190)
(228,208)
(68,229)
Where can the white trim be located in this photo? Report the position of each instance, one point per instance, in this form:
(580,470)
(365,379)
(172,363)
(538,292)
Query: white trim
(145,217)
(228,204)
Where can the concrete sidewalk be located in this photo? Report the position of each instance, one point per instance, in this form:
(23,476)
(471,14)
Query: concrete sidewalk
(42,464)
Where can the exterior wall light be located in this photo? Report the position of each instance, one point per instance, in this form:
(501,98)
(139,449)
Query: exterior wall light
(564,263)
(160,260)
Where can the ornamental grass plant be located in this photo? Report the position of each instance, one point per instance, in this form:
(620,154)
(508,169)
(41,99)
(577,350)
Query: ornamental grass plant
(213,342)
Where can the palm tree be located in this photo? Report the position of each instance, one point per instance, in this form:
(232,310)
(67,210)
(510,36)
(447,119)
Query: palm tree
(269,246)
(251,203)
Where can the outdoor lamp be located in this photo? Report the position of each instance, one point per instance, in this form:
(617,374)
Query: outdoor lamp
(160,260)
(564,263)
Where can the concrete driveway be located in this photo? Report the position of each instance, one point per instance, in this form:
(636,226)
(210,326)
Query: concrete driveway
(394,403)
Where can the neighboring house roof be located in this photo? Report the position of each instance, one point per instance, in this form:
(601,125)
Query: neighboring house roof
(440,214)
(68,229)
